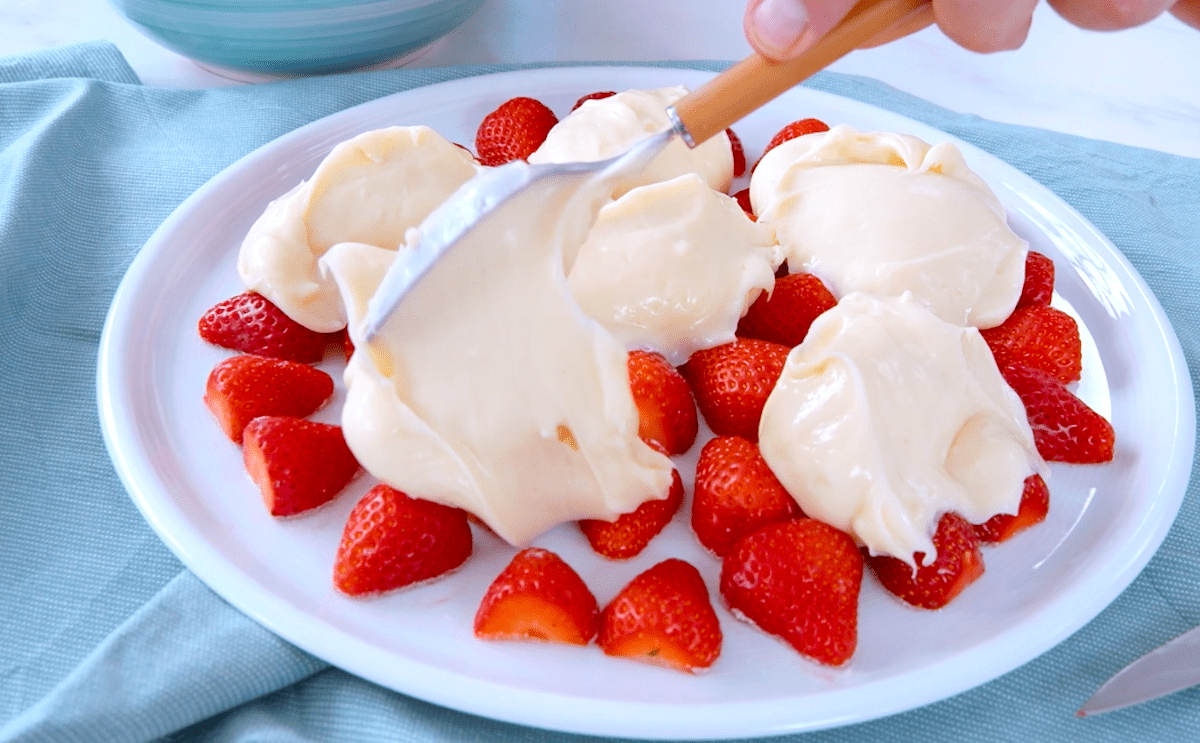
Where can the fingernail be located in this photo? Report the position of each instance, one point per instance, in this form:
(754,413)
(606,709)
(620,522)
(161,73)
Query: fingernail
(778,25)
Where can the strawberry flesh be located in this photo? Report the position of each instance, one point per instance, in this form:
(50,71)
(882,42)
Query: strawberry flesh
(731,383)
(598,95)
(735,493)
(297,464)
(786,315)
(798,580)
(1038,287)
(513,131)
(252,324)
(1065,429)
(1035,505)
(664,617)
(666,409)
(538,597)
(958,564)
(242,388)
(391,540)
(739,154)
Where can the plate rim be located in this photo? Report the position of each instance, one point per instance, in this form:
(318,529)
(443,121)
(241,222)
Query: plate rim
(207,562)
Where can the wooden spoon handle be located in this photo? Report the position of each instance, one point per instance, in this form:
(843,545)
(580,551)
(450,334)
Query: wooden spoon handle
(755,80)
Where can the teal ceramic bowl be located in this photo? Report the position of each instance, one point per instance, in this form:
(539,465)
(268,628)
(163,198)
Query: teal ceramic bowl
(285,38)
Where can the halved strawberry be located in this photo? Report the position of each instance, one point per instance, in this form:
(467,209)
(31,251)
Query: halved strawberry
(242,388)
(513,131)
(598,95)
(666,410)
(731,383)
(743,200)
(539,597)
(1065,429)
(1035,504)
(739,154)
(391,540)
(1039,280)
(798,580)
(629,534)
(347,344)
(958,563)
(791,131)
(735,494)
(1041,337)
(251,323)
(785,316)
(664,617)
(297,464)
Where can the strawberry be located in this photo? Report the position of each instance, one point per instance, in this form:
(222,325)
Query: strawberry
(799,580)
(538,596)
(793,130)
(1035,504)
(736,493)
(251,323)
(958,563)
(739,154)
(593,97)
(1065,429)
(785,316)
(631,532)
(731,383)
(297,464)
(1039,280)
(391,540)
(513,131)
(663,617)
(347,344)
(666,410)
(1038,336)
(242,388)
(743,200)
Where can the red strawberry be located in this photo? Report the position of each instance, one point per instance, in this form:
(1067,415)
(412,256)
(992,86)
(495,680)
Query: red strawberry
(666,410)
(1035,504)
(513,131)
(1039,280)
(1041,337)
(391,540)
(959,562)
(736,493)
(793,130)
(252,324)
(739,154)
(347,344)
(663,617)
(1065,429)
(296,463)
(743,200)
(538,596)
(785,316)
(242,388)
(799,580)
(631,532)
(593,97)
(731,383)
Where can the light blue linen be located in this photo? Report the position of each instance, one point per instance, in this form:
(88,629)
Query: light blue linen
(106,638)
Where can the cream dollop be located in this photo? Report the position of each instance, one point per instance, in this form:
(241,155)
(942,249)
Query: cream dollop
(607,127)
(672,266)
(488,388)
(369,189)
(886,417)
(888,213)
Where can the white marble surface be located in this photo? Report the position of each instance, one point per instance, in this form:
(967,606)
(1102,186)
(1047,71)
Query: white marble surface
(1139,87)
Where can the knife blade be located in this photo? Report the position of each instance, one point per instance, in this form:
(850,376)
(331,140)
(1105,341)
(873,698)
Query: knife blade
(1165,670)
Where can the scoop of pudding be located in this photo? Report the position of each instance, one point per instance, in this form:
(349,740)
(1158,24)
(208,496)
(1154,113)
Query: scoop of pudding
(887,214)
(886,417)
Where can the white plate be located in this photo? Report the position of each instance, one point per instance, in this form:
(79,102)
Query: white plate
(1105,521)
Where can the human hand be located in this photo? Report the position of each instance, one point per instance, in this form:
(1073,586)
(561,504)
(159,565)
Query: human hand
(782,29)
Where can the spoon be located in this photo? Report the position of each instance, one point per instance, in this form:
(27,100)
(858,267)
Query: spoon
(724,100)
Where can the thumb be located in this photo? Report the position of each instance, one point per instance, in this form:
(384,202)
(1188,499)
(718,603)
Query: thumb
(783,29)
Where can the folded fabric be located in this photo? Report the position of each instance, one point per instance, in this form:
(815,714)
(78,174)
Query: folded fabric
(108,638)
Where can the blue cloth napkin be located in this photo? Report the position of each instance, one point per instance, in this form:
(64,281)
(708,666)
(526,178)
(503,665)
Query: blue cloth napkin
(107,638)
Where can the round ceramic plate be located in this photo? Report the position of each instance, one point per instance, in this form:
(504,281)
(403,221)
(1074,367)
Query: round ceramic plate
(188,480)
